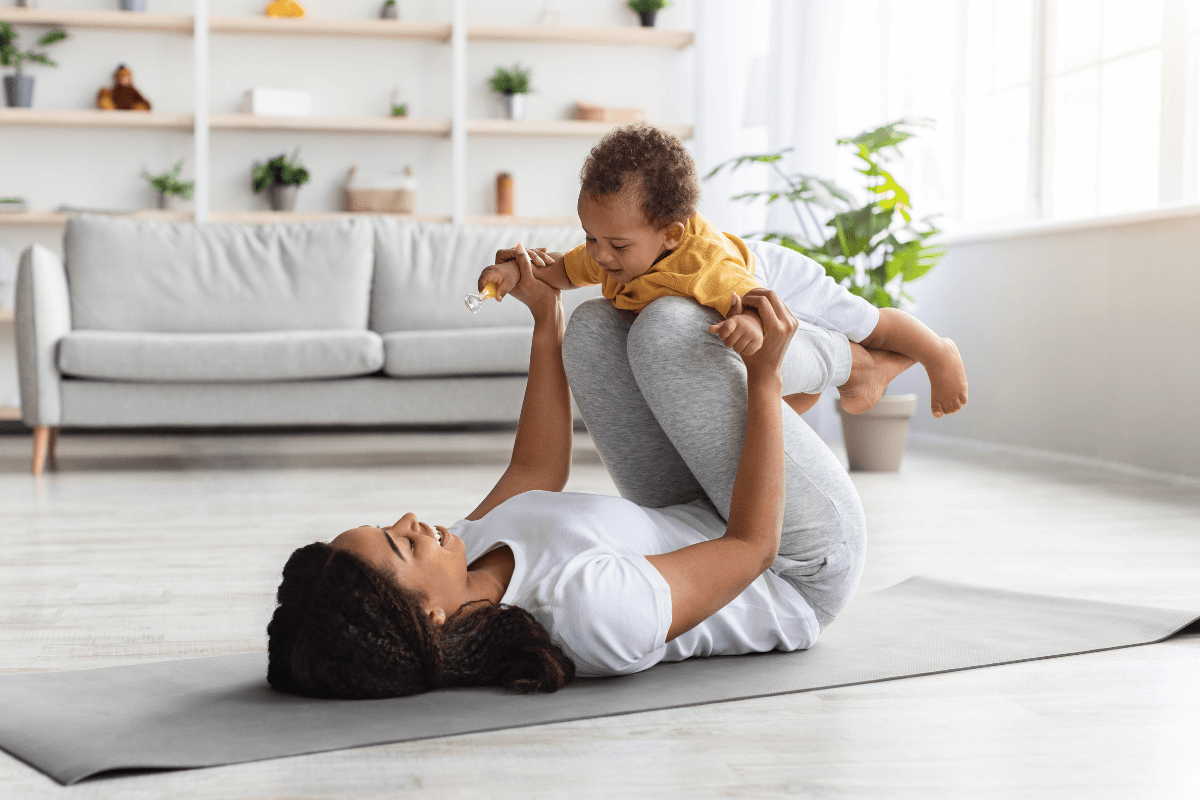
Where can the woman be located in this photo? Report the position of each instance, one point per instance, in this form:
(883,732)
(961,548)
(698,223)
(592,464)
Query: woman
(737,529)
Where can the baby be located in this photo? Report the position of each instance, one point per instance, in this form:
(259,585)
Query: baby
(645,240)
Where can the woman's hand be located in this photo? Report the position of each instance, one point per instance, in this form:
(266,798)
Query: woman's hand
(779,326)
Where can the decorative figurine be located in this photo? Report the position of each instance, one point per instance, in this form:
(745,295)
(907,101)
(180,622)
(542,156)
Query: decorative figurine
(285,8)
(122,96)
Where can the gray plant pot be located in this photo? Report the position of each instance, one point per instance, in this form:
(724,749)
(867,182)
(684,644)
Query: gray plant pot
(27,3)
(875,438)
(18,90)
(647,18)
(282,198)
(390,12)
(133,5)
(516,106)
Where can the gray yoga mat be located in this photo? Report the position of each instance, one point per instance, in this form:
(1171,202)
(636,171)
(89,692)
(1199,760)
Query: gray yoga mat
(209,711)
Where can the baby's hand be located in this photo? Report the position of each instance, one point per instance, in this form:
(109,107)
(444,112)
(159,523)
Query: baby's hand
(742,331)
(506,275)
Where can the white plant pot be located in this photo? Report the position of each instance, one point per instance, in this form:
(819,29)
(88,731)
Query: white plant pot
(516,106)
(875,438)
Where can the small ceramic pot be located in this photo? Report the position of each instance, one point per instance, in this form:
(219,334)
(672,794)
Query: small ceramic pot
(133,5)
(18,90)
(648,18)
(27,3)
(390,11)
(173,202)
(875,438)
(516,106)
(281,197)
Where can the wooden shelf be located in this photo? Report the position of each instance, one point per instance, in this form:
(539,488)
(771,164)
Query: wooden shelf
(6,316)
(251,122)
(102,20)
(556,127)
(316,26)
(506,219)
(9,414)
(94,118)
(557,34)
(58,218)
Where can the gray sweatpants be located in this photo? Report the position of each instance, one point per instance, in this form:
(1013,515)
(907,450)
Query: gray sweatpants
(665,402)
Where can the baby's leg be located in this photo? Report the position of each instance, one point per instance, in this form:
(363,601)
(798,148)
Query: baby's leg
(870,374)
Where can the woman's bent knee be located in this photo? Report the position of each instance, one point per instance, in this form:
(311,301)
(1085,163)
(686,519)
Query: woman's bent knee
(594,327)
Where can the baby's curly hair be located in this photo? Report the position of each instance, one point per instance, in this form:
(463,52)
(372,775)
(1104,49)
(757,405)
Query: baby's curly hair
(655,159)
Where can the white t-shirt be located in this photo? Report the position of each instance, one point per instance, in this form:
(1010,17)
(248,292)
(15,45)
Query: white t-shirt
(581,571)
(812,296)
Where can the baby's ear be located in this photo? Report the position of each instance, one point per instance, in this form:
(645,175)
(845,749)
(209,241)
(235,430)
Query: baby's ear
(673,235)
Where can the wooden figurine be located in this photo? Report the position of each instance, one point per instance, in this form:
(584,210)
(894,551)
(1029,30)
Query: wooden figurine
(123,95)
(285,8)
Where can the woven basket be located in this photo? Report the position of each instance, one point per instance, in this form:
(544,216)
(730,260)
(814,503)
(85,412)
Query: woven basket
(601,114)
(381,201)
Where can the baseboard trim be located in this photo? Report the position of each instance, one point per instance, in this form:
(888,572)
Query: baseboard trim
(1054,456)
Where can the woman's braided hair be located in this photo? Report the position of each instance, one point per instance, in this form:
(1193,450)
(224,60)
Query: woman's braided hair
(650,159)
(342,629)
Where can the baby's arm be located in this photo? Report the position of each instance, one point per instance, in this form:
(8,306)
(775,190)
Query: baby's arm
(905,334)
(550,268)
(742,330)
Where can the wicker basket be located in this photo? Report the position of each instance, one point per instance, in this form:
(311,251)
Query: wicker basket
(601,114)
(381,201)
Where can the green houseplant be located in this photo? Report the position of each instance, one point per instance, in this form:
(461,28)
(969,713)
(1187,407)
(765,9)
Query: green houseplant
(872,246)
(18,88)
(514,85)
(281,178)
(647,10)
(169,187)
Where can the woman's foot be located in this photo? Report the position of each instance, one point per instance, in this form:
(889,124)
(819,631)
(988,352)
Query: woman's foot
(870,373)
(947,380)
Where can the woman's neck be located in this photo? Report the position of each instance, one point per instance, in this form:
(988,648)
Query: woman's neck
(489,575)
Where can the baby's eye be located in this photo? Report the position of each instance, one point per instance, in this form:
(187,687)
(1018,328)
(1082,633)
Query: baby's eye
(620,247)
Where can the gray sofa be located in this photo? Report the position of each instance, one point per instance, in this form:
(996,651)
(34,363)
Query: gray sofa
(351,321)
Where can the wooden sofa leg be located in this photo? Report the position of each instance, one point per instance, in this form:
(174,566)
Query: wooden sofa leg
(41,447)
(52,456)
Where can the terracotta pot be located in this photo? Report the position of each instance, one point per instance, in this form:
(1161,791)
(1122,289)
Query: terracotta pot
(648,18)
(281,197)
(18,90)
(875,438)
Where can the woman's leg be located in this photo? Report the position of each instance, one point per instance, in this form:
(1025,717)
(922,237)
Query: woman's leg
(637,454)
(696,388)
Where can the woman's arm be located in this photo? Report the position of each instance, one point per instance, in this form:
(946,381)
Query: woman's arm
(541,457)
(704,577)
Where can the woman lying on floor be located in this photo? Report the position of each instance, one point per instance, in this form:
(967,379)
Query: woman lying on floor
(737,530)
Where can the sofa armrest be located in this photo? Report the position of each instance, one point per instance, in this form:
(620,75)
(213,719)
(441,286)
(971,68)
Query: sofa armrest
(42,319)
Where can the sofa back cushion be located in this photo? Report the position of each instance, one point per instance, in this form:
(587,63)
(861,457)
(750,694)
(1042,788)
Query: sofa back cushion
(423,271)
(168,277)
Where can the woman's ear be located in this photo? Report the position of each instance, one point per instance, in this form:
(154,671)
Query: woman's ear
(437,617)
(673,235)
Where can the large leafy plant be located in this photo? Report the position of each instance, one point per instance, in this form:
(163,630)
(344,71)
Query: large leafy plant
(12,56)
(872,247)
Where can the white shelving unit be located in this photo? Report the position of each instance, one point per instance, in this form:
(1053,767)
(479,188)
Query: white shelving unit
(202,122)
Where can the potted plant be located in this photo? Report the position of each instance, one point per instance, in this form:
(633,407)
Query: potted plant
(282,178)
(647,10)
(18,89)
(873,247)
(172,192)
(514,85)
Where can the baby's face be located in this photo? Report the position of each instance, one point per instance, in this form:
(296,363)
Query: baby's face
(619,238)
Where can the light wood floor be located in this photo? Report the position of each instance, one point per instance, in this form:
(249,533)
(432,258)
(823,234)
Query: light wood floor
(153,547)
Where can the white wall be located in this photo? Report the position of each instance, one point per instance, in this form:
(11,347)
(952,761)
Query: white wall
(1080,340)
(93,168)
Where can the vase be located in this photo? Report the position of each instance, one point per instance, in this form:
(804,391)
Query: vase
(875,438)
(173,202)
(18,90)
(516,106)
(390,11)
(133,5)
(648,18)
(282,197)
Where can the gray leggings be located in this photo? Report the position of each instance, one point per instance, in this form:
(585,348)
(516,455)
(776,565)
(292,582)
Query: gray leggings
(665,402)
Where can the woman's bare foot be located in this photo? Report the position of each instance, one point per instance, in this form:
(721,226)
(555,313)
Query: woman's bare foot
(947,380)
(870,373)
(801,402)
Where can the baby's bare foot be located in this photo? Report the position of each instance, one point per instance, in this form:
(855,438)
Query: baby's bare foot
(947,381)
(801,402)
(870,373)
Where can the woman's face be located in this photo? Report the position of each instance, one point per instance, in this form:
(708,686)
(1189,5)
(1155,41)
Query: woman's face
(427,560)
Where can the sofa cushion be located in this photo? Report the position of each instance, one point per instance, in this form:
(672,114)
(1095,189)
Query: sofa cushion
(423,271)
(219,357)
(168,277)
(491,351)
